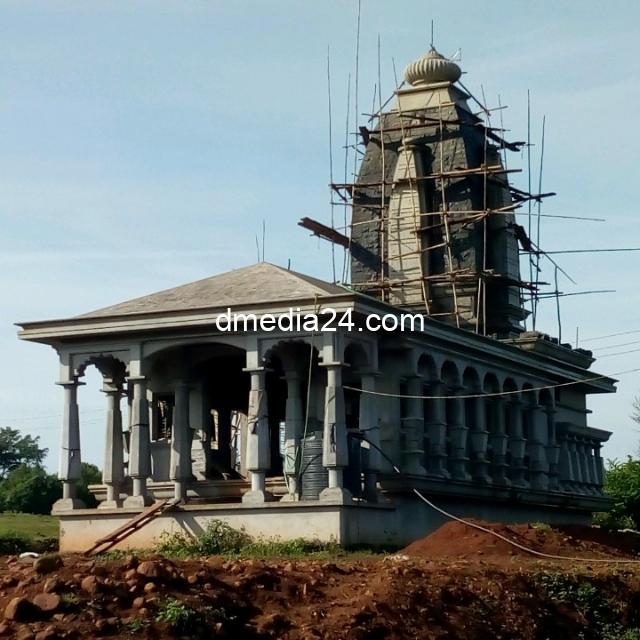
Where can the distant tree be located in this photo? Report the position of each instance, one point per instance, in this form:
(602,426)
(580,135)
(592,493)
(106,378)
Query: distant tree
(16,450)
(622,485)
(29,489)
(89,474)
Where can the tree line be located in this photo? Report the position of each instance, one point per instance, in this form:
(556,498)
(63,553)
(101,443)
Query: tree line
(25,485)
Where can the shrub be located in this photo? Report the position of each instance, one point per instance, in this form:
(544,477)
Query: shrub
(622,484)
(13,543)
(29,490)
(217,538)
(177,615)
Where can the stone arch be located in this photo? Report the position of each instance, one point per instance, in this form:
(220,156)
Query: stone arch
(450,375)
(427,368)
(471,381)
(111,367)
(356,357)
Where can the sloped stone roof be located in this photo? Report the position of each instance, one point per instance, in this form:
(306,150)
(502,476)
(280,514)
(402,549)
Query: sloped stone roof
(258,283)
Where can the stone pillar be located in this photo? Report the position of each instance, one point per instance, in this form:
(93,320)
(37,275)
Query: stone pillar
(437,455)
(335,453)
(583,451)
(576,467)
(413,428)
(293,427)
(479,442)
(593,467)
(258,445)
(70,461)
(552,449)
(224,438)
(370,428)
(139,444)
(499,443)
(201,422)
(599,467)
(537,449)
(459,433)
(180,460)
(113,471)
(517,444)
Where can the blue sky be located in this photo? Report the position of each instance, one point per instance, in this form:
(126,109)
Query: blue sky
(142,144)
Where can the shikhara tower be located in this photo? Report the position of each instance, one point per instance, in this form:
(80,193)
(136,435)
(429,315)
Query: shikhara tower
(432,224)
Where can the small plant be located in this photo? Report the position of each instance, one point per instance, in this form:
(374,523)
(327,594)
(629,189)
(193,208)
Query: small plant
(590,601)
(178,615)
(69,600)
(298,547)
(12,543)
(135,626)
(218,538)
(541,526)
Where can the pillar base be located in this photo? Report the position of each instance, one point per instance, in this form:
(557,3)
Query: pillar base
(180,489)
(67,504)
(110,504)
(336,495)
(414,468)
(138,502)
(256,496)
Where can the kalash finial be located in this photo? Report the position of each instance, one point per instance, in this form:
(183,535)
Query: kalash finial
(431,68)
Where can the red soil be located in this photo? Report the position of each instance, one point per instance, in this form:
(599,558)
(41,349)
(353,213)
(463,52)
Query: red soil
(458,540)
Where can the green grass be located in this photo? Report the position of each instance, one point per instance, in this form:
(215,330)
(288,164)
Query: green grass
(29,525)
(27,532)
(221,539)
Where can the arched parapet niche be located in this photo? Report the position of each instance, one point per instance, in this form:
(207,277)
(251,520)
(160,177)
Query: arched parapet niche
(150,349)
(450,376)
(471,381)
(426,366)
(511,389)
(491,384)
(113,366)
(546,399)
(360,355)
(357,358)
(529,395)
(291,355)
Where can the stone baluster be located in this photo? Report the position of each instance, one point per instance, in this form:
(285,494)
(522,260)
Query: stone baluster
(370,428)
(565,466)
(258,445)
(499,443)
(518,442)
(139,444)
(479,442)
(335,453)
(585,452)
(70,460)
(180,471)
(552,448)
(413,428)
(113,470)
(599,466)
(437,455)
(459,433)
(576,467)
(539,470)
(593,464)
(293,427)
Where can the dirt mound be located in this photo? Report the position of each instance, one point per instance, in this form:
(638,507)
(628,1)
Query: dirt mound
(459,540)
(353,598)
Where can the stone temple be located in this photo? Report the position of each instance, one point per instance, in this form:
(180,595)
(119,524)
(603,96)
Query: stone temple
(295,433)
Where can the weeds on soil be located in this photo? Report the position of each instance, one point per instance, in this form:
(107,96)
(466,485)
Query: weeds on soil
(221,539)
(589,599)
